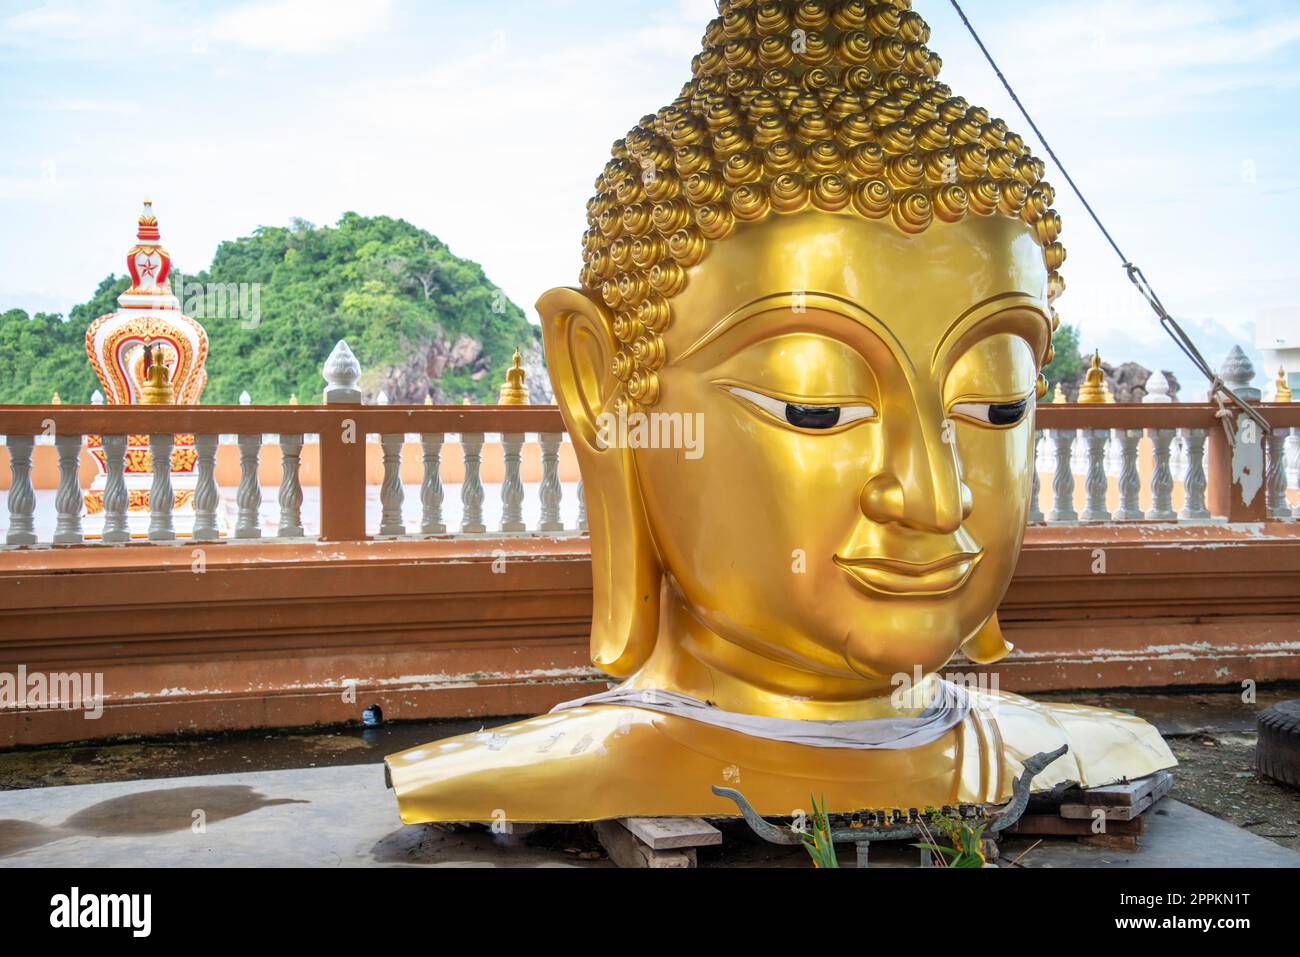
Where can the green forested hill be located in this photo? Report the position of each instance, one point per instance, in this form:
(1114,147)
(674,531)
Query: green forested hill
(420,320)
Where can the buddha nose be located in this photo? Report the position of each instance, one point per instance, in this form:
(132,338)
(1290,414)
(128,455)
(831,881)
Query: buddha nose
(923,491)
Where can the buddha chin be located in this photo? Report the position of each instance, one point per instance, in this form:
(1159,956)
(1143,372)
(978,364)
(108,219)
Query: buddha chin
(844,277)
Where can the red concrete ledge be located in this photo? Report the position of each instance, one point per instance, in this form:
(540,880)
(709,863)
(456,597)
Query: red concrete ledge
(273,634)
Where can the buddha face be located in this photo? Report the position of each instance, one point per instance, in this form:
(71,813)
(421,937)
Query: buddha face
(867,402)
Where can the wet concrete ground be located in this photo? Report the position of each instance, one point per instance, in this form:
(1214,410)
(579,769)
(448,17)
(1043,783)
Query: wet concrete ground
(221,753)
(345,817)
(1212,733)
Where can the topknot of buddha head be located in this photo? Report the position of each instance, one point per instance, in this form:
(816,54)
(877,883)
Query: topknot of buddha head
(794,106)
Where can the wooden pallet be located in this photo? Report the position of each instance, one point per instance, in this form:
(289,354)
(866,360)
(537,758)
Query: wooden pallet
(1120,806)
(656,842)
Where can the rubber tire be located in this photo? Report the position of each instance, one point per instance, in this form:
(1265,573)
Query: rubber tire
(1277,752)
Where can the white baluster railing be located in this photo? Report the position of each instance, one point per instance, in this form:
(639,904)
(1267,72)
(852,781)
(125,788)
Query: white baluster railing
(290,499)
(1276,487)
(1097,482)
(68,502)
(206,497)
(1162,478)
(1130,479)
(551,493)
(512,485)
(248,499)
(1194,482)
(117,499)
(471,492)
(1063,480)
(391,494)
(57,517)
(161,498)
(1036,516)
(22,496)
(431,493)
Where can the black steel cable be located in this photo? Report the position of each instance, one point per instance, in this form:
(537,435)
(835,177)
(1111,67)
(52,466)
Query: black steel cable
(1135,275)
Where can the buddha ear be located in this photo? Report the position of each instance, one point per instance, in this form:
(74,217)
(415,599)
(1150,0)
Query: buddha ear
(987,645)
(577,335)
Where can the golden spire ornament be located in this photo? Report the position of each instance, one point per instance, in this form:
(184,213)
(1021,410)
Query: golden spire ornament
(1283,388)
(514,392)
(1093,390)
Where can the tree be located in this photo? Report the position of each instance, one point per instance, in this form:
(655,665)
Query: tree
(394,291)
(1067,366)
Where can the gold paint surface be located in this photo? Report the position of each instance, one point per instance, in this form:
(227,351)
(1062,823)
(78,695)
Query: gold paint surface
(603,762)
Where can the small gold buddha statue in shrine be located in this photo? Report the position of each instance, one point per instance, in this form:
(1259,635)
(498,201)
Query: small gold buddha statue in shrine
(158,383)
(1093,390)
(514,391)
(1282,387)
(846,272)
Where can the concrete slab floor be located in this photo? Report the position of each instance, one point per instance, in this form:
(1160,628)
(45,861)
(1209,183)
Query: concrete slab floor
(345,817)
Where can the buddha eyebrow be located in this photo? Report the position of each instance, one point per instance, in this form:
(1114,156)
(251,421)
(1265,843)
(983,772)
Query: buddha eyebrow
(784,301)
(981,312)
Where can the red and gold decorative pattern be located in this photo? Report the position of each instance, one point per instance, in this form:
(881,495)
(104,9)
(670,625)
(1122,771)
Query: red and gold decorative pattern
(137,500)
(184,456)
(122,347)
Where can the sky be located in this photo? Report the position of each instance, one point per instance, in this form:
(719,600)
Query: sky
(487,123)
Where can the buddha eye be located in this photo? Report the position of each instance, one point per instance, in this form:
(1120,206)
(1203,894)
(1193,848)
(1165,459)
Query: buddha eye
(1000,414)
(813,418)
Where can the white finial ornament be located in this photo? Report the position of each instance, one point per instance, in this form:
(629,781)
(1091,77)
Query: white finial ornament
(342,372)
(245,398)
(1237,373)
(1157,389)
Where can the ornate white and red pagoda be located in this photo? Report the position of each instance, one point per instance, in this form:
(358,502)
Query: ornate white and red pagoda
(125,349)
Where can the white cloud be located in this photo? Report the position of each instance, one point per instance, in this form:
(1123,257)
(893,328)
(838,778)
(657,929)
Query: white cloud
(492,140)
(88,106)
(301,26)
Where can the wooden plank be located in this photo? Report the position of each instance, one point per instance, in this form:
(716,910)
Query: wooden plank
(1122,842)
(1052,825)
(1128,793)
(1085,812)
(625,850)
(668,833)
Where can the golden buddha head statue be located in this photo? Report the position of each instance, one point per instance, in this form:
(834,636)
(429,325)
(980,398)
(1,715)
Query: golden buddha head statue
(845,274)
